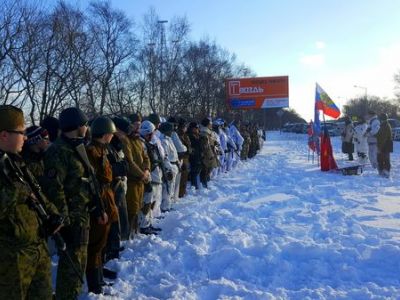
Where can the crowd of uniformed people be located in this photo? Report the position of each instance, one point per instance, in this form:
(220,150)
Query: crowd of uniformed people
(103,181)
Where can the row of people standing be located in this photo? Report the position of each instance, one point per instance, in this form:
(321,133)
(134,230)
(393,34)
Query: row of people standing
(370,138)
(102,187)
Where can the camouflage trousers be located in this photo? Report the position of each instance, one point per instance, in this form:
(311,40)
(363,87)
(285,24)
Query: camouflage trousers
(244,154)
(68,284)
(97,241)
(134,203)
(25,274)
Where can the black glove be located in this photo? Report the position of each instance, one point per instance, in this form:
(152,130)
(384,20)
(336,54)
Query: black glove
(153,204)
(53,223)
(148,188)
(184,167)
(120,168)
(169,175)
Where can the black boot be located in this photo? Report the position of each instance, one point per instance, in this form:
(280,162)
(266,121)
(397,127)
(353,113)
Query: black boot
(107,273)
(101,279)
(147,231)
(93,281)
(155,228)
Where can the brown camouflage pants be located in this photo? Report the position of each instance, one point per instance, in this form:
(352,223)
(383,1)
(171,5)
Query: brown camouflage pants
(134,202)
(25,274)
(184,177)
(98,236)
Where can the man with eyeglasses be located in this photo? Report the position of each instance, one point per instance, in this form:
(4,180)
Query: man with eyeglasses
(25,267)
(66,183)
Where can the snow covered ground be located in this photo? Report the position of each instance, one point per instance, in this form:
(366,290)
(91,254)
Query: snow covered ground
(275,228)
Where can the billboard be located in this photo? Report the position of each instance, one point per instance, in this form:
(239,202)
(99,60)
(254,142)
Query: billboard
(257,92)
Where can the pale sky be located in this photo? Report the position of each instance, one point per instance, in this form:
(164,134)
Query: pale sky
(338,44)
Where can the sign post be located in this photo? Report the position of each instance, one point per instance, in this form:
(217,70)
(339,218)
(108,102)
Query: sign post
(280,114)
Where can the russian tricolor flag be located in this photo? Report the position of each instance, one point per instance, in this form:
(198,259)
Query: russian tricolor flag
(324,102)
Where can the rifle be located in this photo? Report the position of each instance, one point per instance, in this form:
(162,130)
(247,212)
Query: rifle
(97,204)
(36,202)
(162,167)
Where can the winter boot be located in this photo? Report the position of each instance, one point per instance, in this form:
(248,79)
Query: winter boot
(101,279)
(93,281)
(107,273)
(155,228)
(147,231)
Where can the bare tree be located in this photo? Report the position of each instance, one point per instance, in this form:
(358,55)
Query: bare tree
(114,43)
(51,58)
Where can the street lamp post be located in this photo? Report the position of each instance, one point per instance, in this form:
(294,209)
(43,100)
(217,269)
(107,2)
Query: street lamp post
(364,88)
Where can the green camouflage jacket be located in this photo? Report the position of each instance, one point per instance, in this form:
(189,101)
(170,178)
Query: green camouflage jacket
(19,224)
(35,163)
(65,181)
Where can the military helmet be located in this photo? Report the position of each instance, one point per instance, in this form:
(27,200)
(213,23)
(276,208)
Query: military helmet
(146,128)
(72,118)
(122,124)
(166,128)
(154,118)
(101,126)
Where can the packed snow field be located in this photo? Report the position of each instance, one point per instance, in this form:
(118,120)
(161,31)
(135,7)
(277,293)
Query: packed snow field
(274,228)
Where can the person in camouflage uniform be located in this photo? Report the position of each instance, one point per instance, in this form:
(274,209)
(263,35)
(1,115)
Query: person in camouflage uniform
(385,145)
(182,133)
(25,267)
(66,185)
(138,171)
(34,148)
(255,141)
(195,158)
(244,131)
(209,158)
(102,130)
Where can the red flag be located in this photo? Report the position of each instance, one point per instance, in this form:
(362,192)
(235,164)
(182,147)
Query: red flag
(311,140)
(327,160)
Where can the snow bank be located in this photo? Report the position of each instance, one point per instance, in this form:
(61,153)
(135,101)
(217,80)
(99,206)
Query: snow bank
(274,228)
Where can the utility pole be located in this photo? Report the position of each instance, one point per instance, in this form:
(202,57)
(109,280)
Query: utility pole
(162,44)
(152,76)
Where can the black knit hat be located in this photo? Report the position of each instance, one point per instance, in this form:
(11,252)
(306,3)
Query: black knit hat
(136,117)
(52,125)
(154,118)
(172,120)
(181,122)
(205,122)
(166,128)
(193,125)
(72,118)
